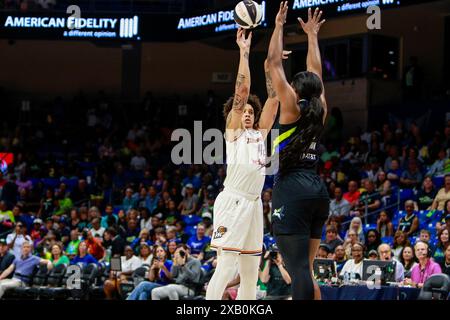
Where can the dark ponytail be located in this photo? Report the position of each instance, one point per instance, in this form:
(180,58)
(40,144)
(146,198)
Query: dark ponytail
(310,124)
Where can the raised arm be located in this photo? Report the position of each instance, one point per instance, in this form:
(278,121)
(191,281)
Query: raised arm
(290,111)
(269,112)
(242,87)
(313,59)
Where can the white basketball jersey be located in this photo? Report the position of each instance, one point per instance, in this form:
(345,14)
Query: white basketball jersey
(246,157)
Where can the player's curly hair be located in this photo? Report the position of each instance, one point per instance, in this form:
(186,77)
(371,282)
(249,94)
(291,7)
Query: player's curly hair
(253,100)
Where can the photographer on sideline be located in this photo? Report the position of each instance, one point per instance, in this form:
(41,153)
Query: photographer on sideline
(275,275)
(186,272)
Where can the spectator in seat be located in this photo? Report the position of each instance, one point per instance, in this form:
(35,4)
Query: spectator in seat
(186,273)
(400,241)
(23,183)
(84,219)
(425,236)
(190,201)
(129,201)
(426,194)
(35,233)
(353,266)
(23,267)
(334,221)
(173,215)
(58,256)
(439,165)
(192,179)
(384,225)
(350,240)
(385,254)
(371,199)
(444,222)
(145,254)
(160,236)
(20,216)
(183,236)
(132,231)
(48,205)
(412,177)
(443,242)
(275,276)
(145,219)
(74,219)
(339,206)
(6,257)
(373,240)
(339,257)
(425,268)
(109,212)
(408,259)
(394,173)
(323,252)
(72,247)
(83,257)
(393,155)
(95,247)
(445,265)
(332,239)
(158,276)
(207,220)
(372,255)
(152,199)
(160,183)
(409,224)
(171,248)
(138,162)
(129,263)
(443,195)
(352,196)
(198,241)
(97,230)
(117,242)
(356,225)
(383,185)
(144,237)
(16,239)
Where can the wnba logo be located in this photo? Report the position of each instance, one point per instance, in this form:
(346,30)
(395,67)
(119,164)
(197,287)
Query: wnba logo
(129,27)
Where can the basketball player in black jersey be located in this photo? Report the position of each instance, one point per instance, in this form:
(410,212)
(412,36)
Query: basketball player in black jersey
(300,200)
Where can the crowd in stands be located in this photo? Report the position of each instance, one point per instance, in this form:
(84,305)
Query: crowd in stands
(97,189)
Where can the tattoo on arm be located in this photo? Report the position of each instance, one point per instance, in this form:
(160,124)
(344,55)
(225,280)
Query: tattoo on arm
(270,90)
(240,80)
(238,102)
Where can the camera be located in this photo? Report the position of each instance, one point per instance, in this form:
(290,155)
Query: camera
(273,251)
(182,254)
(273,254)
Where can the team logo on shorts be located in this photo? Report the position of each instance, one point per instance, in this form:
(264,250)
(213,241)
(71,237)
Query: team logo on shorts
(220,232)
(278,212)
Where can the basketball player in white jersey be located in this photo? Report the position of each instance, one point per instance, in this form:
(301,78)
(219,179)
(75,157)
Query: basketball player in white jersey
(238,214)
